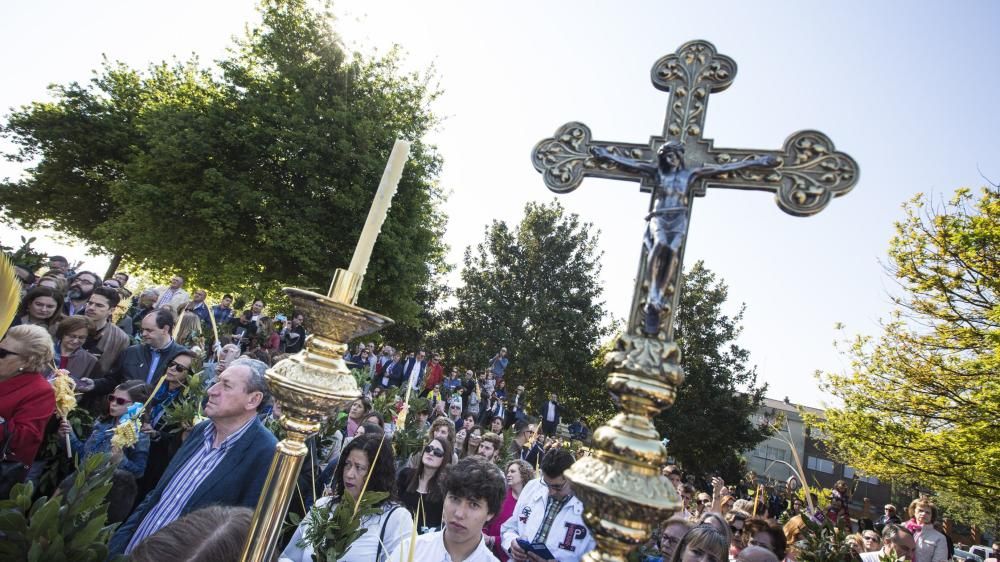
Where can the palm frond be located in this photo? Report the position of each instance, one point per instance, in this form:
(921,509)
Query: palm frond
(10,293)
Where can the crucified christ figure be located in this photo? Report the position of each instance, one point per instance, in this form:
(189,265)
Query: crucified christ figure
(667,222)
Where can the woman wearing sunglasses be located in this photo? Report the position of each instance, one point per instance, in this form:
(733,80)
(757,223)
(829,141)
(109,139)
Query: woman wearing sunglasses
(26,400)
(132,459)
(165,439)
(419,487)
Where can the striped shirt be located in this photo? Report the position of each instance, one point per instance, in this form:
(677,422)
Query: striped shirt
(184,483)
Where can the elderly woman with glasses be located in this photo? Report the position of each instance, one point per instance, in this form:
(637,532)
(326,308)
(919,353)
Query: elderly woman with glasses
(26,399)
(419,487)
(131,459)
(71,334)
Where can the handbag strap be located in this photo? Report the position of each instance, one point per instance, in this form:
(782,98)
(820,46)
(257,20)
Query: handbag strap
(381,535)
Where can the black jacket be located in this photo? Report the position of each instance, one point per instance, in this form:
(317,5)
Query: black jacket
(133,364)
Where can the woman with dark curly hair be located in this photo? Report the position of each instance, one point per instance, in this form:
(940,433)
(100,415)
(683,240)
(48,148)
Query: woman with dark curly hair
(366,454)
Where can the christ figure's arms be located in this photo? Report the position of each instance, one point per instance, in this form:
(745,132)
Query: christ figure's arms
(709,171)
(628,164)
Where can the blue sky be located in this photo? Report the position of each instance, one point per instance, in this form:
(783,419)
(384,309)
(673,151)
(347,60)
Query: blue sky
(907,88)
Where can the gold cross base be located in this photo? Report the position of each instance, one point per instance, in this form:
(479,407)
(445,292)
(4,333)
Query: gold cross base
(308,386)
(620,484)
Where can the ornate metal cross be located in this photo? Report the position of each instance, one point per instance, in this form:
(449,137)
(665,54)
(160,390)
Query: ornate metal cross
(809,174)
(620,482)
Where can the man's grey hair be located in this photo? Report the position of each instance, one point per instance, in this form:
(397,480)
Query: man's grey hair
(891,530)
(255,381)
(150,292)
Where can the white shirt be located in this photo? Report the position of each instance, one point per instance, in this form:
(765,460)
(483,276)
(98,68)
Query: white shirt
(430,548)
(551,415)
(569,537)
(364,549)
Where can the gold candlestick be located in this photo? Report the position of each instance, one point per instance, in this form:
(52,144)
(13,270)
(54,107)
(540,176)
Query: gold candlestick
(307,386)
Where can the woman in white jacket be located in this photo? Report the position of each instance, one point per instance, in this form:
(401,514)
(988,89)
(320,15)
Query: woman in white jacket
(932,546)
(387,528)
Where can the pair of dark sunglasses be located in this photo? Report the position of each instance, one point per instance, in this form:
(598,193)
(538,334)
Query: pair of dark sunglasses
(178,367)
(5,352)
(119,401)
(434,451)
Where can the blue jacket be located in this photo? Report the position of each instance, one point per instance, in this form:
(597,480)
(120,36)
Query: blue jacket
(237,481)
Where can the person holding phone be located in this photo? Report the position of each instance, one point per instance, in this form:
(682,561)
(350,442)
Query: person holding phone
(547,523)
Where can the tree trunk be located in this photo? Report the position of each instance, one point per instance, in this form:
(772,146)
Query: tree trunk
(116,260)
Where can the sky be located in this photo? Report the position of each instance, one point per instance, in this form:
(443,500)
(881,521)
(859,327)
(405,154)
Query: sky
(906,88)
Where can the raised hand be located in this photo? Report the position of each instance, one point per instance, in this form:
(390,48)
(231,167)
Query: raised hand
(600,152)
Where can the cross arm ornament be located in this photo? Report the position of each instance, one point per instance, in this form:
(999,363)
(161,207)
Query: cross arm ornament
(809,172)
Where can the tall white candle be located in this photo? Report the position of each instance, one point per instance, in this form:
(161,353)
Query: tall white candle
(380,206)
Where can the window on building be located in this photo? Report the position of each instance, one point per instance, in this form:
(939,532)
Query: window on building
(819,465)
(849,473)
(771,453)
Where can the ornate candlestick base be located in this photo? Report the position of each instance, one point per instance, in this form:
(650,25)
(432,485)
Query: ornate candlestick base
(307,386)
(620,484)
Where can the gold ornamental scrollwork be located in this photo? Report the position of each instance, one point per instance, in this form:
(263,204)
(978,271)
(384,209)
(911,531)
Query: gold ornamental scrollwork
(651,357)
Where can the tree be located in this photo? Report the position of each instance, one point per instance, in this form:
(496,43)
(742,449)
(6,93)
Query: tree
(921,402)
(710,421)
(247,177)
(535,290)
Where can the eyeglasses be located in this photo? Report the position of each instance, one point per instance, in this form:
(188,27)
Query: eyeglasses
(118,400)
(178,367)
(736,531)
(870,537)
(439,453)
(554,487)
(5,352)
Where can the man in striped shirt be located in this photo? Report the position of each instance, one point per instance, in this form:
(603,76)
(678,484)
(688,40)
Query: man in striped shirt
(223,462)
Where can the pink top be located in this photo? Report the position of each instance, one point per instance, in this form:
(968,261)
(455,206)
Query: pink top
(492,528)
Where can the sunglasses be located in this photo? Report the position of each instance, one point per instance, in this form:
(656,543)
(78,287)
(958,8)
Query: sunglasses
(5,352)
(119,401)
(870,537)
(178,367)
(439,453)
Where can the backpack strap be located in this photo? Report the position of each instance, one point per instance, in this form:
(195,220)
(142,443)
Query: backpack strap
(381,535)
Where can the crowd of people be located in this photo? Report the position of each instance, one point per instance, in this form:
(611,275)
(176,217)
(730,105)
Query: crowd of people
(485,481)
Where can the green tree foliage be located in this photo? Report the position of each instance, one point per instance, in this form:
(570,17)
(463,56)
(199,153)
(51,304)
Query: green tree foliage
(709,423)
(921,402)
(535,290)
(249,176)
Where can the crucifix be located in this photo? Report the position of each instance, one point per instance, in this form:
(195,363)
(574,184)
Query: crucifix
(680,164)
(619,482)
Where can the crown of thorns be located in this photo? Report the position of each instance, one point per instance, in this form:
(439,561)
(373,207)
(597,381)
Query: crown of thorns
(671,146)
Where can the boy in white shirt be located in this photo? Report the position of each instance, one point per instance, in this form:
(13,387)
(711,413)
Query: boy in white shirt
(474,489)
